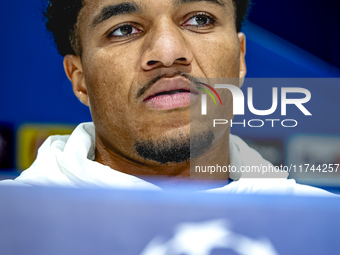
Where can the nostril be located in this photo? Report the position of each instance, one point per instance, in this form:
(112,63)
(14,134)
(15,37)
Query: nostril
(152,62)
(182,59)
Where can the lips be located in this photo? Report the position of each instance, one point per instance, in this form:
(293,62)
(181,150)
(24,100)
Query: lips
(170,93)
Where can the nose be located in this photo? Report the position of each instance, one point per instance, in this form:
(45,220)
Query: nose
(165,47)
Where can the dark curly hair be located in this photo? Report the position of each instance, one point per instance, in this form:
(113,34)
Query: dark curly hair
(61,21)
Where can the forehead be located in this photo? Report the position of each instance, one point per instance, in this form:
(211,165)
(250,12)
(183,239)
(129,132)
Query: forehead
(93,8)
(96,3)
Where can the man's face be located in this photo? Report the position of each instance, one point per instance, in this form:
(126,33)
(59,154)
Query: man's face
(137,58)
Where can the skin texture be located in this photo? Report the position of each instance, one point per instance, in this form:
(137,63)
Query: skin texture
(111,71)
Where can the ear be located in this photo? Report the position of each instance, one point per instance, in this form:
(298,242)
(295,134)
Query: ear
(243,67)
(74,71)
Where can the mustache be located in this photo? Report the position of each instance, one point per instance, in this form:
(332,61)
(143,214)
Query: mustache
(151,82)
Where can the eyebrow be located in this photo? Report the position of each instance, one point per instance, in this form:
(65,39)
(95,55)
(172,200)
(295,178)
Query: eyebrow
(115,10)
(130,7)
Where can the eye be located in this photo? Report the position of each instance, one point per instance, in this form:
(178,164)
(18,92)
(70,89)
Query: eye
(200,20)
(124,30)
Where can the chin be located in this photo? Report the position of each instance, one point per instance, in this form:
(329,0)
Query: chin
(176,146)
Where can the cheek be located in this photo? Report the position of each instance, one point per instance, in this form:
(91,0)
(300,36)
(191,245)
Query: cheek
(109,76)
(218,57)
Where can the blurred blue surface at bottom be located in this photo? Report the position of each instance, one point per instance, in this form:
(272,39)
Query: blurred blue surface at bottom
(62,221)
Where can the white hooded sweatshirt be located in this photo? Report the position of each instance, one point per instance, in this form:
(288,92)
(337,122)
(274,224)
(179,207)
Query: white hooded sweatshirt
(68,161)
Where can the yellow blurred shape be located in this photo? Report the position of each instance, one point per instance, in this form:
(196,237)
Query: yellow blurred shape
(31,136)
